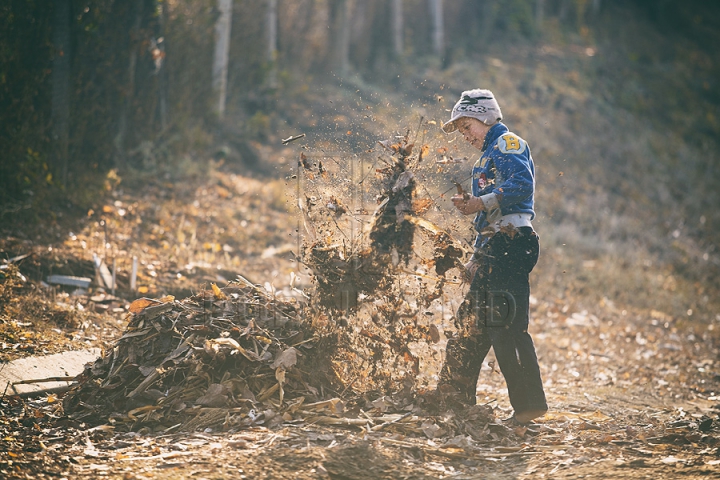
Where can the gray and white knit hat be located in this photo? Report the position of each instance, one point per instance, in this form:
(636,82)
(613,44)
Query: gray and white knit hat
(477,103)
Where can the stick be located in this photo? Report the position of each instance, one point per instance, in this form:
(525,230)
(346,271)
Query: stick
(45,391)
(133,275)
(114,276)
(145,384)
(349,385)
(383,425)
(350,422)
(454,186)
(417,132)
(43,380)
(442,453)
(292,138)
(5,391)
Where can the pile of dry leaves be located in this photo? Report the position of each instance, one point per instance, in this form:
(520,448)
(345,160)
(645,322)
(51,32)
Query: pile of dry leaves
(208,359)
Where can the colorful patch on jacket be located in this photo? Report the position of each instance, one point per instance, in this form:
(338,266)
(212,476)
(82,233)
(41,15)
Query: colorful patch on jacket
(511,143)
(482,181)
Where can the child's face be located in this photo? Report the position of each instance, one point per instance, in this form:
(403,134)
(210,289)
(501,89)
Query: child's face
(473,130)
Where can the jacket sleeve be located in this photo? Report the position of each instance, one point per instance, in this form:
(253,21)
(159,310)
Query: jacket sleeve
(515,183)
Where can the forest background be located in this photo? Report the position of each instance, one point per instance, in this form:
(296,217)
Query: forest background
(618,99)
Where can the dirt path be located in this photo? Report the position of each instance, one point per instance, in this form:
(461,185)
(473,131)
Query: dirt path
(633,393)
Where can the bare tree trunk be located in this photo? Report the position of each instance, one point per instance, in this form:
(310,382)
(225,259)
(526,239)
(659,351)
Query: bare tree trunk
(359,30)
(438,30)
(120,160)
(272,33)
(341,37)
(222,53)
(580,13)
(563,10)
(490,10)
(539,13)
(397,27)
(162,74)
(61,86)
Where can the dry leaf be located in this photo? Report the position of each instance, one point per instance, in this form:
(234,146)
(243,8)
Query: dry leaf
(431,430)
(434,333)
(219,295)
(286,359)
(140,304)
(215,396)
(421,205)
(303,162)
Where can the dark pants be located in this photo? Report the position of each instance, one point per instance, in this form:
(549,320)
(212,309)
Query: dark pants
(495,313)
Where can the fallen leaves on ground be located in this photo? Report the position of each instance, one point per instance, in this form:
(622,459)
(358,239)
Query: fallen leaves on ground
(631,391)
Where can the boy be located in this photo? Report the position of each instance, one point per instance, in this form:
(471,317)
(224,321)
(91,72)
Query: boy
(506,250)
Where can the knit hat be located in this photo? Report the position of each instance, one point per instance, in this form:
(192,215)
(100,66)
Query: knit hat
(477,103)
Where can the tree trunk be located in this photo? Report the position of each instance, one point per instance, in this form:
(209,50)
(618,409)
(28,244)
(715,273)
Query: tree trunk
(120,160)
(162,74)
(222,54)
(341,37)
(490,10)
(397,27)
(539,14)
(563,10)
(438,30)
(61,87)
(272,34)
(580,13)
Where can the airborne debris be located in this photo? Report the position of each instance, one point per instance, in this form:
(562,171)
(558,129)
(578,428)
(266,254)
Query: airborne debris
(292,138)
(342,273)
(369,307)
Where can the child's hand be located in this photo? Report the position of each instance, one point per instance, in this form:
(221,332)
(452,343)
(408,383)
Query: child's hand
(468,204)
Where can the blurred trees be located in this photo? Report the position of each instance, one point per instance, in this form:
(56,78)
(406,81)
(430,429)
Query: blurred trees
(221,58)
(90,85)
(397,27)
(438,27)
(83,83)
(60,117)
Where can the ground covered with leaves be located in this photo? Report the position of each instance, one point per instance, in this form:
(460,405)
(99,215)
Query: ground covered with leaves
(293,324)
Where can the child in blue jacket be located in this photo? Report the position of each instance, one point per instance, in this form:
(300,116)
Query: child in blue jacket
(496,310)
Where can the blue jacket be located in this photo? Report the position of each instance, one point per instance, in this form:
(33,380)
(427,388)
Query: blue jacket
(504,178)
